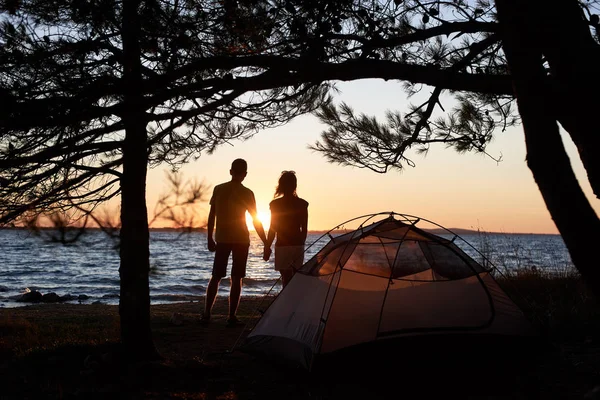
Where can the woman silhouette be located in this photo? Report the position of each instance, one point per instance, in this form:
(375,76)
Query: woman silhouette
(289,221)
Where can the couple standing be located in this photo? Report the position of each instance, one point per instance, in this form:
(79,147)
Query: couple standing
(228,206)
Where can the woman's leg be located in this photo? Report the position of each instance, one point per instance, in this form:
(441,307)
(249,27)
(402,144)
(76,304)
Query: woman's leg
(286,275)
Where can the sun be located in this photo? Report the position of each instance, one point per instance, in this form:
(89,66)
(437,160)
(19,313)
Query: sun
(263,216)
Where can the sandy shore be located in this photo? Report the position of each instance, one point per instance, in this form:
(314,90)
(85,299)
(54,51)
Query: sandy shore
(60,351)
(177,333)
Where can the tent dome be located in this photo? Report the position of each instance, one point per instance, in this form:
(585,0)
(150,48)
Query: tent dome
(389,279)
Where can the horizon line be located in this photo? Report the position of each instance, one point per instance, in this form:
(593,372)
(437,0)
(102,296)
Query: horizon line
(313,231)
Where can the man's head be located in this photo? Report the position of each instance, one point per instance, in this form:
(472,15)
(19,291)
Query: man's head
(239,168)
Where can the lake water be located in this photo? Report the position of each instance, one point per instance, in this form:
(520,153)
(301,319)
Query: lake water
(181,264)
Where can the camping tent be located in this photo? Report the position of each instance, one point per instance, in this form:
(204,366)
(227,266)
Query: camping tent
(383,282)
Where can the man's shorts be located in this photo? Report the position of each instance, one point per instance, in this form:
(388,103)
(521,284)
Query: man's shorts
(239,253)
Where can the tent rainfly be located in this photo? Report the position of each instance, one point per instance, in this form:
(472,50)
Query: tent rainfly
(385,282)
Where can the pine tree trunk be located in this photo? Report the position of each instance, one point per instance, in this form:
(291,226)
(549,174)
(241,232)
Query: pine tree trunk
(546,156)
(134,304)
(574,59)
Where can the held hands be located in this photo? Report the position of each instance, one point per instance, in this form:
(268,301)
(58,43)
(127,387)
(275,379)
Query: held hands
(212,246)
(267,253)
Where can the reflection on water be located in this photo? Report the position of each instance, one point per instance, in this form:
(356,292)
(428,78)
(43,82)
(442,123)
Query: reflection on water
(180,266)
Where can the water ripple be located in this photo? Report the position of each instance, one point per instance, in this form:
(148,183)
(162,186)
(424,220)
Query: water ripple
(181,265)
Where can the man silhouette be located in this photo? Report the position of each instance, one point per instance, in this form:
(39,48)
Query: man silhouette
(228,206)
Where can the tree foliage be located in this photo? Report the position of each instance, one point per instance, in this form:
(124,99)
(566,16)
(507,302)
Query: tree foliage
(61,76)
(456,39)
(218,71)
(213,72)
(451,43)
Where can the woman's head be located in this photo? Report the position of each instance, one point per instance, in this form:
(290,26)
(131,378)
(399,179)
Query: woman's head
(287,184)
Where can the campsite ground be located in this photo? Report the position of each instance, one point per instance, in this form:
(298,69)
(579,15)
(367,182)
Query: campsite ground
(67,351)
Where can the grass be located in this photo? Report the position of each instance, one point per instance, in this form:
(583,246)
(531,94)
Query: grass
(561,305)
(553,295)
(41,329)
(68,351)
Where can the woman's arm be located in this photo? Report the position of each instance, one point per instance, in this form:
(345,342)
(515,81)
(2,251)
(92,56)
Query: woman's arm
(304,225)
(272,230)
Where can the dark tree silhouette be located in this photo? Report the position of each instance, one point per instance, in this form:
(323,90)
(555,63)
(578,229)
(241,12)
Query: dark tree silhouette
(540,104)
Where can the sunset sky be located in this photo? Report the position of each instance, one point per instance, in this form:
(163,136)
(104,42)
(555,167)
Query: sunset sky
(469,191)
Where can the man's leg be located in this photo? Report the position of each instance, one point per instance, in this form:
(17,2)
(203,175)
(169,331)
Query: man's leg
(234,295)
(238,271)
(222,253)
(211,295)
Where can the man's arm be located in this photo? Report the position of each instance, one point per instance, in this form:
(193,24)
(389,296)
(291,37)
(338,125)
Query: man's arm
(210,228)
(258,226)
